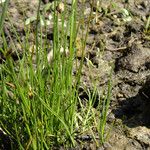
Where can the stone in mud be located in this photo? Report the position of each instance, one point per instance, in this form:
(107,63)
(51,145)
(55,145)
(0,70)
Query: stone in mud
(137,57)
(141,134)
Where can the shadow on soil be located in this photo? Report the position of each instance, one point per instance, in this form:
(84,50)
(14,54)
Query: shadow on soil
(135,111)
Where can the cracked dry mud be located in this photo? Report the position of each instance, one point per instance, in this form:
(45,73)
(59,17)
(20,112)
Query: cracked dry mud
(112,40)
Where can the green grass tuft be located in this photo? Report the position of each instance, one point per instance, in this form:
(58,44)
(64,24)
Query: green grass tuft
(39,102)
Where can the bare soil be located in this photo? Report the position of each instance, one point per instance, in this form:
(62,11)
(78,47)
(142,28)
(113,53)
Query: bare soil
(115,37)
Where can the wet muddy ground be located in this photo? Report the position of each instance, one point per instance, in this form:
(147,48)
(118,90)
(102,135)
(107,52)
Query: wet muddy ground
(117,37)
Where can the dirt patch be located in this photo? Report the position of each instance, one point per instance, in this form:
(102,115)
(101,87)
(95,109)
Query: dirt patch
(116,36)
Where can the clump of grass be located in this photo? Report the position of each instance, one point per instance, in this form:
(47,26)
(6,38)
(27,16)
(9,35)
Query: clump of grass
(39,104)
(3,14)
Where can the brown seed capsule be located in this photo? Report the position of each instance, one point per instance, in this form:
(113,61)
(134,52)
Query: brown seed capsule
(60,8)
(30,93)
